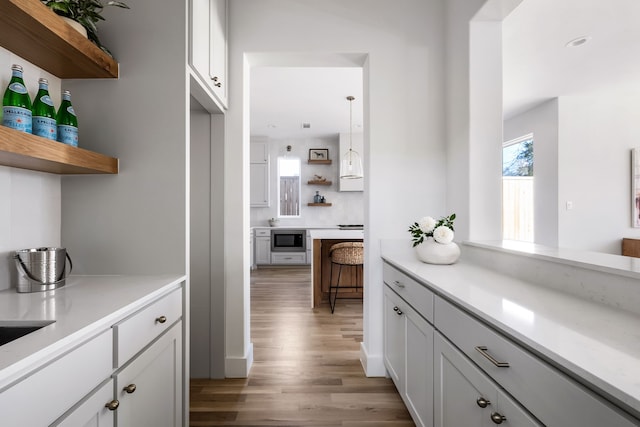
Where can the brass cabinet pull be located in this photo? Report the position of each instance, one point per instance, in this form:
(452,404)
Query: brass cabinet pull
(482,402)
(113,405)
(498,418)
(398,284)
(130,388)
(396,308)
(399,312)
(161,319)
(483,351)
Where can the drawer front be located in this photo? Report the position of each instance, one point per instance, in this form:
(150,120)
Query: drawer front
(550,395)
(138,330)
(294,258)
(418,296)
(263,233)
(72,377)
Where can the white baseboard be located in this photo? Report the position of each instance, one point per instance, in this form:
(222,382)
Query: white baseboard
(373,365)
(239,367)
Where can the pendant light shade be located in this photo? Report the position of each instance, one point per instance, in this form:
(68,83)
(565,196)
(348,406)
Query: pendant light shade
(351,165)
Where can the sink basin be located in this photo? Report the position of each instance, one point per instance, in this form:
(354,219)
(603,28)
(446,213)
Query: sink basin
(12,330)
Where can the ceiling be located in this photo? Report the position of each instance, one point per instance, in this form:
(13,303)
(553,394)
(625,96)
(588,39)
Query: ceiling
(538,66)
(282,99)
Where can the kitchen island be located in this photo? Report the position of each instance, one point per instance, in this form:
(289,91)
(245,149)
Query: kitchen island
(321,242)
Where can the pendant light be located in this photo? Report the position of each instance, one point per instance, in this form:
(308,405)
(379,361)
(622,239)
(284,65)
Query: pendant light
(351,165)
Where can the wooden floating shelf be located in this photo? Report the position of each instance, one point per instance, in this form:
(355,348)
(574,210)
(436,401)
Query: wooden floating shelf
(34,32)
(26,151)
(316,182)
(319,162)
(319,204)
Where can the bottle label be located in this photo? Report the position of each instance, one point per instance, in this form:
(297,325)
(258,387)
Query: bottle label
(47,100)
(71,110)
(45,127)
(17,118)
(17,88)
(68,134)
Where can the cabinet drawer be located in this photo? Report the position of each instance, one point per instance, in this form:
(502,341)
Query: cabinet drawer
(263,233)
(289,258)
(44,396)
(419,297)
(142,327)
(554,398)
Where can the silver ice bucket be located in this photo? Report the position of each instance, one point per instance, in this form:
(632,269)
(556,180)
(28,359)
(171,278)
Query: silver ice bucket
(41,269)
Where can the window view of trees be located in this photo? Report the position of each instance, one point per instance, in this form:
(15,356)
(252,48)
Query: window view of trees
(517,189)
(517,158)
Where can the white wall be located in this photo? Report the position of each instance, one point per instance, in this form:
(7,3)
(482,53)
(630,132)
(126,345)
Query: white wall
(346,208)
(401,46)
(29,201)
(542,121)
(597,133)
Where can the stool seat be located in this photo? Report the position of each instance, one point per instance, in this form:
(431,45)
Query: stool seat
(349,254)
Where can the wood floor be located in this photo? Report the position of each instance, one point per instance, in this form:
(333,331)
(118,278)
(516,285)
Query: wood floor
(306,369)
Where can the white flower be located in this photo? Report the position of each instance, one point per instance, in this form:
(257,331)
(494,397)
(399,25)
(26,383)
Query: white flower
(443,235)
(427,224)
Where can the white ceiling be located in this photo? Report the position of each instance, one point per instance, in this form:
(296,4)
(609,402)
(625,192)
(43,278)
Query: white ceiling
(537,66)
(282,99)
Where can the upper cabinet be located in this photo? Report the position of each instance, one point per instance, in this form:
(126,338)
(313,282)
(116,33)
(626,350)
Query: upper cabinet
(208,46)
(32,31)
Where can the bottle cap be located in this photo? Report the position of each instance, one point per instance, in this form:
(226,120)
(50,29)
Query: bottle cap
(16,67)
(43,80)
(66,92)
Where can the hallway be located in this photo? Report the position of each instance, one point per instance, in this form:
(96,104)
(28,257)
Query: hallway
(306,370)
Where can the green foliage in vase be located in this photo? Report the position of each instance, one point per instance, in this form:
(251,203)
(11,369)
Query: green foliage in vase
(429,227)
(85,12)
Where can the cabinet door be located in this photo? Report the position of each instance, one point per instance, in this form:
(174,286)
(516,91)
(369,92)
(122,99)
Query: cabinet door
(92,412)
(263,250)
(394,338)
(150,387)
(259,185)
(218,52)
(259,152)
(419,368)
(199,12)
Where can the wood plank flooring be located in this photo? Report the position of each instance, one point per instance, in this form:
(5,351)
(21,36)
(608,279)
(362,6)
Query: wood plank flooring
(306,369)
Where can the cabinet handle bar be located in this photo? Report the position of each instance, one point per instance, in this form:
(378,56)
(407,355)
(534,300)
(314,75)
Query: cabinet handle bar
(483,351)
(398,283)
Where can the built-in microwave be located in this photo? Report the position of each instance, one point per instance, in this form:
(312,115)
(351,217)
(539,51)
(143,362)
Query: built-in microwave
(288,240)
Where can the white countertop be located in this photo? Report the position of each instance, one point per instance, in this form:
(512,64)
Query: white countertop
(336,234)
(593,342)
(81,308)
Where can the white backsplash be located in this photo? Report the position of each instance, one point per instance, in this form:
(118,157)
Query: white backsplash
(346,208)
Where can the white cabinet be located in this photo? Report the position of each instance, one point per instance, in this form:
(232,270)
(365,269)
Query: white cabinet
(259,175)
(358,146)
(465,396)
(408,356)
(288,258)
(208,45)
(263,246)
(149,387)
(92,411)
(252,251)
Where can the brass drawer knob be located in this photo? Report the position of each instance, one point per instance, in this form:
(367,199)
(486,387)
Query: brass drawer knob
(161,319)
(113,405)
(482,402)
(130,388)
(498,418)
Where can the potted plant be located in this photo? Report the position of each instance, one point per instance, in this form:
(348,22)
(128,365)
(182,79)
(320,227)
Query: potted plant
(86,12)
(433,240)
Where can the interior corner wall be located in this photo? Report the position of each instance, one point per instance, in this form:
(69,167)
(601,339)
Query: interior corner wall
(404,122)
(542,122)
(597,133)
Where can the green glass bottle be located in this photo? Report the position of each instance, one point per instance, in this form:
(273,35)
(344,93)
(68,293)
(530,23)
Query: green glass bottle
(67,121)
(16,104)
(44,114)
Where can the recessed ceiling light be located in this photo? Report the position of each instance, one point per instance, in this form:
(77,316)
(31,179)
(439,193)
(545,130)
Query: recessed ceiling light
(271,126)
(579,41)
(306,126)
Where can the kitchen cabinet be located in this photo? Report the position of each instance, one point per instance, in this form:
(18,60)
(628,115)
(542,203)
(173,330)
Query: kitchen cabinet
(465,396)
(208,45)
(263,246)
(259,175)
(288,258)
(92,411)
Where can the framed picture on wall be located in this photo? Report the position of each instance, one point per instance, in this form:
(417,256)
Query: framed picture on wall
(318,154)
(635,187)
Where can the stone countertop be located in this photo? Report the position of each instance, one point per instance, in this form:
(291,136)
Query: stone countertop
(81,308)
(336,234)
(595,343)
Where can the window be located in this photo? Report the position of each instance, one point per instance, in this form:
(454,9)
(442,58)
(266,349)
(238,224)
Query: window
(288,187)
(517,189)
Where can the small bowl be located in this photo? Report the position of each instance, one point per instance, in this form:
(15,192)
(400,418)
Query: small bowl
(274,222)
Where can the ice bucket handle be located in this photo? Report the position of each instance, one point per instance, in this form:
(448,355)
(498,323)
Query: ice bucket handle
(23,268)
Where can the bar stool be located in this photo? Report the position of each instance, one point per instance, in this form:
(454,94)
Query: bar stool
(345,254)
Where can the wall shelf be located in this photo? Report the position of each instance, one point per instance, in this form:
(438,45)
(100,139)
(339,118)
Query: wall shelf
(34,32)
(316,182)
(319,204)
(319,162)
(26,151)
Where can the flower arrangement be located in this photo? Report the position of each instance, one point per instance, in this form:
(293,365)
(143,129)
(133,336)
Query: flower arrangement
(441,230)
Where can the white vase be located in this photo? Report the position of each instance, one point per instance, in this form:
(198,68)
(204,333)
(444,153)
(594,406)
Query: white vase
(433,252)
(75,25)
